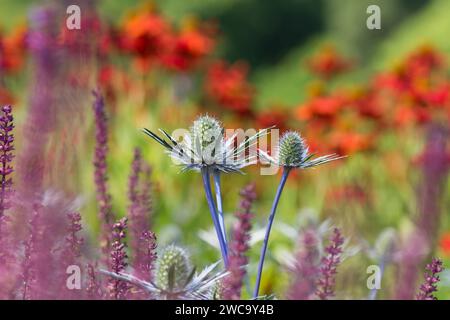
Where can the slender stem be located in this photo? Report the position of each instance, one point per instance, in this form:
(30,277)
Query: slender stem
(218,191)
(268,228)
(212,209)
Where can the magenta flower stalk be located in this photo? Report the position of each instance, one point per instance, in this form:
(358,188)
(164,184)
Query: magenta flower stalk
(329,264)
(239,246)
(93,288)
(100,174)
(71,253)
(28,272)
(6,157)
(431,276)
(292,153)
(147,255)
(73,240)
(6,169)
(31,161)
(435,162)
(138,222)
(306,268)
(118,289)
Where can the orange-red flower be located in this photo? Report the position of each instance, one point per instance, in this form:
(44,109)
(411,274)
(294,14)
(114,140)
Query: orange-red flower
(146,35)
(273,117)
(188,47)
(444,243)
(227,85)
(328,63)
(12,50)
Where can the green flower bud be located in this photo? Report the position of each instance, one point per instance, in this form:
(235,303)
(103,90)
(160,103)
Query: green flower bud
(173,268)
(292,149)
(207,130)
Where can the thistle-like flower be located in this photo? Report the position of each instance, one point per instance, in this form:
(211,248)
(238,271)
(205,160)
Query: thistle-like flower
(175,278)
(173,268)
(205,146)
(292,153)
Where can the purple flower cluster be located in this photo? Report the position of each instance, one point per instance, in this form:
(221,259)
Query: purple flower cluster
(119,257)
(306,268)
(100,174)
(6,156)
(239,245)
(139,194)
(435,163)
(427,289)
(73,241)
(329,264)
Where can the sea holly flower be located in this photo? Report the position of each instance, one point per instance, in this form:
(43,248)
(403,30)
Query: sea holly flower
(175,278)
(292,153)
(205,148)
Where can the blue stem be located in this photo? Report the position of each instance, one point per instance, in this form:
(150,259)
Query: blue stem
(268,228)
(218,191)
(212,209)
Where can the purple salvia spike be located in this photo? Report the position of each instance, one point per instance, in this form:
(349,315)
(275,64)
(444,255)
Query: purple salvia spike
(435,169)
(100,173)
(429,286)
(94,287)
(6,156)
(306,268)
(119,260)
(329,264)
(40,121)
(239,245)
(6,169)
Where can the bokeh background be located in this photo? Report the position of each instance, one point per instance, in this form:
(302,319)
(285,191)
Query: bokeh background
(382,97)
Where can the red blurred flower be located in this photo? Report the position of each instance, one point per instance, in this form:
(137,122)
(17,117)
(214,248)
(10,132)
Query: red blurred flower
(12,50)
(345,143)
(146,35)
(328,63)
(345,193)
(188,48)
(227,85)
(273,117)
(321,107)
(444,243)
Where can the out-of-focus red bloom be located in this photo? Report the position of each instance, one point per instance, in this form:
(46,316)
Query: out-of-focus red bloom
(81,40)
(322,107)
(274,117)
(6,98)
(12,50)
(188,47)
(328,63)
(146,35)
(346,143)
(444,243)
(369,104)
(345,193)
(227,85)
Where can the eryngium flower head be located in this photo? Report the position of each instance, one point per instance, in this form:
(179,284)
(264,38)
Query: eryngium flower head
(205,146)
(293,152)
(173,268)
(175,279)
(206,131)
